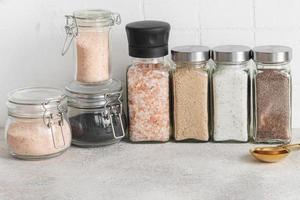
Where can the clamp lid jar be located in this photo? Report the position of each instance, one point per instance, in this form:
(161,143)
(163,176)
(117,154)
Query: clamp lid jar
(37,126)
(91,31)
(96,113)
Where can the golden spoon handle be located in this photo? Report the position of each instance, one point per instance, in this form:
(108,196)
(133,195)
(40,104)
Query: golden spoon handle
(290,145)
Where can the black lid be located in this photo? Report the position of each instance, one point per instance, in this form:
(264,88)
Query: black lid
(148,39)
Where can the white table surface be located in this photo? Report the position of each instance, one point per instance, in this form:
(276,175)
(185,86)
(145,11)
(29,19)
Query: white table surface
(150,171)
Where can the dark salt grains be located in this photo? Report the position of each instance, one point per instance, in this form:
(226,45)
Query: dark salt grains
(273,106)
(88,130)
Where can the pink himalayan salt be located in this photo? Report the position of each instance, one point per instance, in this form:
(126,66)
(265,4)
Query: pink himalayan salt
(148,103)
(92,56)
(31,137)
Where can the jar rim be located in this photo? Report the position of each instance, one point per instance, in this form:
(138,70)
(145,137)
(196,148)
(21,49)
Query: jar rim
(190,53)
(35,95)
(96,17)
(92,14)
(76,89)
(83,95)
(231,54)
(34,102)
(272,54)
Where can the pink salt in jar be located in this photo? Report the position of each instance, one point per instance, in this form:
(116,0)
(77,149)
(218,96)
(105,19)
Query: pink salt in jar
(37,126)
(148,82)
(90,30)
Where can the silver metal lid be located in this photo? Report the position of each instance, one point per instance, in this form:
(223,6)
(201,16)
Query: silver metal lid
(92,95)
(33,102)
(191,53)
(231,54)
(272,54)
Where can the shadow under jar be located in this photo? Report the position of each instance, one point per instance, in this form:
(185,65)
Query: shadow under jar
(190,83)
(272,94)
(231,93)
(90,29)
(148,82)
(96,113)
(37,127)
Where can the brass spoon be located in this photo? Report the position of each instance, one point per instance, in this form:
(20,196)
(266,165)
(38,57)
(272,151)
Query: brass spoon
(272,154)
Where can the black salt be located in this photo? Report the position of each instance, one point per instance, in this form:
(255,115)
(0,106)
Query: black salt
(90,129)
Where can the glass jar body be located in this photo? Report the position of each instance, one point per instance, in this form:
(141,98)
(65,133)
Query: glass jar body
(272,103)
(31,138)
(231,102)
(93,54)
(190,83)
(93,128)
(148,100)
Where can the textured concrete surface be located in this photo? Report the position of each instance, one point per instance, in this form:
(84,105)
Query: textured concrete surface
(150,171)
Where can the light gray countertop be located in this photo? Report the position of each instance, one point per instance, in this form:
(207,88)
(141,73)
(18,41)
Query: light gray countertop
(150,171)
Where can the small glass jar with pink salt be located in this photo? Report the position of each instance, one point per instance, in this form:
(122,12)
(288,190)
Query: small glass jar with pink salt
(37,127)
(148,81)
(90,29)
(272,94)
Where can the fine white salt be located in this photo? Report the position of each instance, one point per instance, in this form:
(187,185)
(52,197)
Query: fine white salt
(230,91)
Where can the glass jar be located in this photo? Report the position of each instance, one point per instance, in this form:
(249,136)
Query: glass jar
(91,30)
(96,113)
(272,94)
(37,126)
(231,93)
(190,82)
(148,81)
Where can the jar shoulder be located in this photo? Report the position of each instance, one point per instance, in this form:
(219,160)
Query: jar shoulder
(283,72)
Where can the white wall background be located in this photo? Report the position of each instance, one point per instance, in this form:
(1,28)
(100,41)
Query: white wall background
(32,33)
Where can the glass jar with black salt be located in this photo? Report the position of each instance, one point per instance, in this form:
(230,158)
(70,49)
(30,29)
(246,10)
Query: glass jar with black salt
(231,93)
(96,113)
(272,94)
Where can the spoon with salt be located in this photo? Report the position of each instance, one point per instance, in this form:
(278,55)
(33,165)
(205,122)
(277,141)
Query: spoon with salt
(272,154)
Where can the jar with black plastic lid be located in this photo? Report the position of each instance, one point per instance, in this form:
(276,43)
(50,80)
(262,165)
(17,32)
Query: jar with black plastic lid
(148,81)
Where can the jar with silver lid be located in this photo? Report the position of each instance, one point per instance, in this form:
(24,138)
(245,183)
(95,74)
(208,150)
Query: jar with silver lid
(190,82)
(37,126)
(231,93)
(90,31)
(96,113)
(272,94)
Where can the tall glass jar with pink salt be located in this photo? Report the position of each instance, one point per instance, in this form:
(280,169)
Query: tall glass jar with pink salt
(148,81)
(37,126)
(90,31)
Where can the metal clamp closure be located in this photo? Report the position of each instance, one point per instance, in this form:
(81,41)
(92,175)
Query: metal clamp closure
(54,119)
(116,18)
(71,32)
(113,112)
